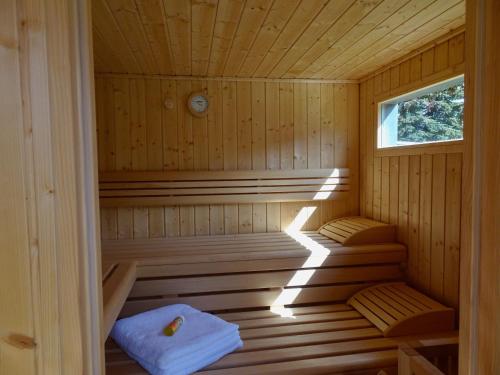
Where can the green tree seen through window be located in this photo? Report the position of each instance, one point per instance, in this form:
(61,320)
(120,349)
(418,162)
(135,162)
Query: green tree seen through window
(437,116)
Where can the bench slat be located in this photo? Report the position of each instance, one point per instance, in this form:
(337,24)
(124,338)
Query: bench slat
(154,188)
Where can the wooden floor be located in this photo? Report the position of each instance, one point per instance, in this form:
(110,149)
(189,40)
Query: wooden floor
(318,340)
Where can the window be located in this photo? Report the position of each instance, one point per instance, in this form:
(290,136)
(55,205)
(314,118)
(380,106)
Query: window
(433,114)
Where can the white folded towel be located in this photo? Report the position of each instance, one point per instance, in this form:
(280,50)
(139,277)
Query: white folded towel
(202,339)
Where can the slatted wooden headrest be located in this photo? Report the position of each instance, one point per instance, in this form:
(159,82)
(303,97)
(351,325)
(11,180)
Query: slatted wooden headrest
(359,231)
(398,310)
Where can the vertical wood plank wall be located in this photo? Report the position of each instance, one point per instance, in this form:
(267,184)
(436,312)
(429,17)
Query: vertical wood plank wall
(250,125)
(419,188)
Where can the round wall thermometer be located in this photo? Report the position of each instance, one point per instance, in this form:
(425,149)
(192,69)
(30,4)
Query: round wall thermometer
(198,104)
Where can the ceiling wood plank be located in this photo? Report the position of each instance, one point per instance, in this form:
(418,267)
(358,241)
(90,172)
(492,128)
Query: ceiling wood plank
(178,14)
(329,15)
(276,20)
(228,17)
(105,23)
(202,27)
(303,16)
(432,22)
(264,39)
(127,16)
(152,16)
(349,19)
(365,26)
(253,16)
(383,29)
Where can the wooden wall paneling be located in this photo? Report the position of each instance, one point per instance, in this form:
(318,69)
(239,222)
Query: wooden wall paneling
(425,222)
(385,189)
(370,142)
(393,189)
(327,126)
(403,192)
(138,140)
(258,151)
(480,253)
(353,156)
(159,134)
(121,100)
(18,315)
(200,160)
(244,124)
(457,50)
(341,102)
(452,228)
(416,188)
(300,136)
(362,147)
(215,126)
(413,216)
(250,125)
(50,259)
(314,126)
(377,188)
(215,149)
(428,62)
(286,124)
(272,126)
(230,147)
(438,225)
(186,155)
(441,56)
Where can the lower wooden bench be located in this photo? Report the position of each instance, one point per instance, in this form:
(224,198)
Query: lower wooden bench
(319,340)
(244,278)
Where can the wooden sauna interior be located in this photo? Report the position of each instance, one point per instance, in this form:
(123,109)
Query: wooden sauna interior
(118,197)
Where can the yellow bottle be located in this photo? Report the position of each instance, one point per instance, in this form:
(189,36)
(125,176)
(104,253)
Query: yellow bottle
(174,326)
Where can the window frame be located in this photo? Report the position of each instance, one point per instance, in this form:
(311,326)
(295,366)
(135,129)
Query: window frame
(455,145)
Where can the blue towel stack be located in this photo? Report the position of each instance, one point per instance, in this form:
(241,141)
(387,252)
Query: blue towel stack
(200,341)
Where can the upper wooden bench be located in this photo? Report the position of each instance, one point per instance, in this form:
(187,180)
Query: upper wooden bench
(163,188)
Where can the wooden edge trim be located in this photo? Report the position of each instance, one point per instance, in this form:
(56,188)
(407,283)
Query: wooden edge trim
(223,79)
(450,147)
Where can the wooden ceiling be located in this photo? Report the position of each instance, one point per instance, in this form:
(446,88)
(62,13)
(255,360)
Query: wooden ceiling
(321,39)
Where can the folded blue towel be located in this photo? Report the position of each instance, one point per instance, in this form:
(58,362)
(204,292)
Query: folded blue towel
(196,361)
(201,340)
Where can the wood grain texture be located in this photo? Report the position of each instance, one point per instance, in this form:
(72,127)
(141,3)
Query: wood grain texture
(480,252)
(416,188)
(257,125)
(263,38)
(50,270)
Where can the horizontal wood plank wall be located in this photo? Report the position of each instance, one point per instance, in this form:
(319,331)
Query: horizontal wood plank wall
(419,189)
(250,125)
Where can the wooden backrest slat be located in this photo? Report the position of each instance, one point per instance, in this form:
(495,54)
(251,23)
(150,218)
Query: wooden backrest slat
(155,188)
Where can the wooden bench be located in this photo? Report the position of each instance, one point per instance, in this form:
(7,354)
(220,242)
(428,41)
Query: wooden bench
(286,291)
(163,188)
